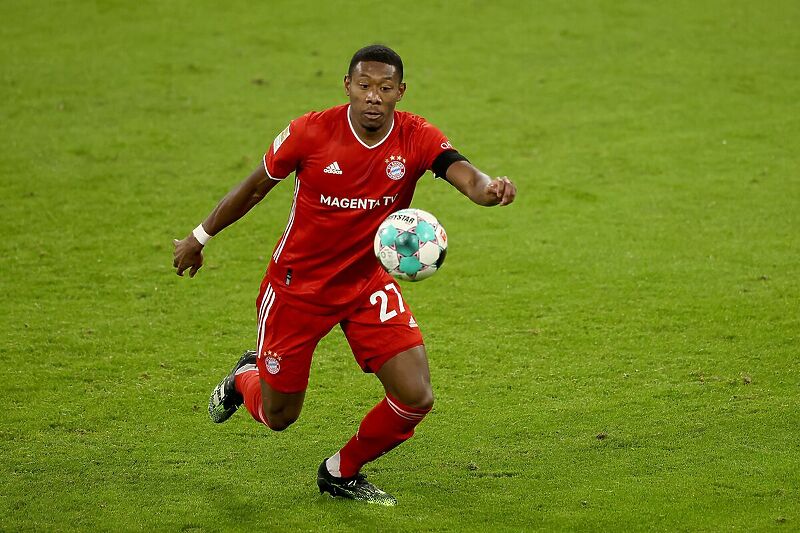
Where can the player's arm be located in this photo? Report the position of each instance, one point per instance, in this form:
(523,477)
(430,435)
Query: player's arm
(479,187)
(189,252)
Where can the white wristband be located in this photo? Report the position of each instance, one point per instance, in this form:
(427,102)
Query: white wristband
(200,234)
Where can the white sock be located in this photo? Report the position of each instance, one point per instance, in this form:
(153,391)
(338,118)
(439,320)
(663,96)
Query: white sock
(332,465)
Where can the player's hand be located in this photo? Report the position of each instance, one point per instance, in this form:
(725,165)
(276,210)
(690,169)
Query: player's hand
(188,254)
(503,189)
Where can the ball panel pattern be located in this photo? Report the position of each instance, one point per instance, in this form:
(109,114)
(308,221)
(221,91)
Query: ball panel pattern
(410,244)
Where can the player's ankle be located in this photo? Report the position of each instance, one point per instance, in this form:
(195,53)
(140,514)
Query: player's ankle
(334,466)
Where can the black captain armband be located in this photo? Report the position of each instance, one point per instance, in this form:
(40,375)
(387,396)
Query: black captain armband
(443,162)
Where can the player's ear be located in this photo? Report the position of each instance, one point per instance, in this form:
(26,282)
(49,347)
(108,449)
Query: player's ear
(401,89)
(347,85)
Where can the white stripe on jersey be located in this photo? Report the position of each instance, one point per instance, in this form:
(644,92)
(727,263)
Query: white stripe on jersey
(279,249)
(267,170)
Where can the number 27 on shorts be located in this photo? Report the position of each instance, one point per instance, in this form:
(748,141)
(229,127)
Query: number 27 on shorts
(383,297)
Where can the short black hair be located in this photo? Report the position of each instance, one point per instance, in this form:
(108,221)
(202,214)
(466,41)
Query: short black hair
(379,53)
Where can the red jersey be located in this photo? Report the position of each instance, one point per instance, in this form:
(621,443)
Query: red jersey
(343,191)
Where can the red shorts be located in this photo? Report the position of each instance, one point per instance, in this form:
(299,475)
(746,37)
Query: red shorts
(377,328)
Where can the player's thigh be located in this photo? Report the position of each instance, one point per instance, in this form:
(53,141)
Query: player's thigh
(382,327)
(286,341)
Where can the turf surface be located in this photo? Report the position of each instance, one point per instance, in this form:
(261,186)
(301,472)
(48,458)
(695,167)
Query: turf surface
(617,350)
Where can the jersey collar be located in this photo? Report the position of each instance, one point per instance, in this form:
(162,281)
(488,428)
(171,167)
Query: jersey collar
(365,145)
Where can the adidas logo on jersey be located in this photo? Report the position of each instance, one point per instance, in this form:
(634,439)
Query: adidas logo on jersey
(333,168)
(412,323)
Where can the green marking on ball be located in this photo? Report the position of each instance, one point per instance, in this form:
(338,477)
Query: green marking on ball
(410,265)
(406,244)
(388,235)
(425,232)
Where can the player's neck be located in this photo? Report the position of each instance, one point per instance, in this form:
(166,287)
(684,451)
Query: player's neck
(370,137)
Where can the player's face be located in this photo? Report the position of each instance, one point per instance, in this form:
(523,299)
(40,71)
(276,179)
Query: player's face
(374,90)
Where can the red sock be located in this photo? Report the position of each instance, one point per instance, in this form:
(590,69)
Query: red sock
(249,385)
(388,424)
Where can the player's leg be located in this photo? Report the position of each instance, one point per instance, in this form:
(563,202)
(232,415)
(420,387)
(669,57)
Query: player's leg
(274,409)
(407,378)
(273,381)
(243,385)
(409,397)
(385,340)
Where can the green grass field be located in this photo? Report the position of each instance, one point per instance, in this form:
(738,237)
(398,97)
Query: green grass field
(618,350)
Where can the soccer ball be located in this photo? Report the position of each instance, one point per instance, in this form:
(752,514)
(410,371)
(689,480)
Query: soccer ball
(411,244)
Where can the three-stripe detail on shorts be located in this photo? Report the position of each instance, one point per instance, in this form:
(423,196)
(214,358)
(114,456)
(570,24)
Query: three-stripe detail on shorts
(263,313)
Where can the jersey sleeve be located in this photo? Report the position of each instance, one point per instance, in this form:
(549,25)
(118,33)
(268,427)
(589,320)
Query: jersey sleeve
(432,143)
(285,154)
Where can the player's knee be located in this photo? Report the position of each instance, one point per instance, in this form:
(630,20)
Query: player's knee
(279,424)
(419,399)
(281,410)
(425,400)
(278,420)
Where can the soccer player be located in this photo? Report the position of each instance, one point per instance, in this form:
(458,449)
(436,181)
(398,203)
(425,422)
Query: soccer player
(354,164)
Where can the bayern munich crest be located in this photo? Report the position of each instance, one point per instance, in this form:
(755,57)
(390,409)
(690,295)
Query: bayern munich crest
(395,167)
(272,362)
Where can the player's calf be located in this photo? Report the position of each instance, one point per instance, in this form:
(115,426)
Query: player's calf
(387,425)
